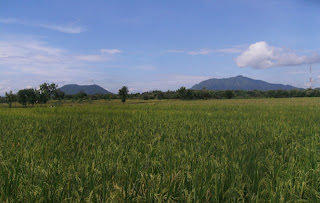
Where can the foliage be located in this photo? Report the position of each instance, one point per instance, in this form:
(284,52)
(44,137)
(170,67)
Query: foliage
(46,91)
(182,92)
(27,96)
(123,93)
(10,98)
(58,95)
(229,94)
(81,95)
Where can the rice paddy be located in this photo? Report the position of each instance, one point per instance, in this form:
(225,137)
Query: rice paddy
(162,151)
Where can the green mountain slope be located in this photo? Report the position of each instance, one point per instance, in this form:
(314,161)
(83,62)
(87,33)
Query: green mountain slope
(240,83)
(88,89)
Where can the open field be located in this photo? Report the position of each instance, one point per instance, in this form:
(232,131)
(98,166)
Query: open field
(177,151)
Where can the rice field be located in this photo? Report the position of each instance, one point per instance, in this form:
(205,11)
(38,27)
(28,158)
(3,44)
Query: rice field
(254,150)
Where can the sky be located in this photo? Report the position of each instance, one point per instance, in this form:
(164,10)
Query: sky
(157,45)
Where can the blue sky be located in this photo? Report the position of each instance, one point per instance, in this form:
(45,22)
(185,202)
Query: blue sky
(163,45)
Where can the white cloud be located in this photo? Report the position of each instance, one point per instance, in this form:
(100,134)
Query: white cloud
(232,50)
(205,51)
(91,58)
(260,56)
(200,52)
(70,28)
(36,52)
(110,51)
(31,62)
(67,28)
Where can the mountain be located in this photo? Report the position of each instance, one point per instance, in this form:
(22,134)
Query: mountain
(88,89)
(240,83)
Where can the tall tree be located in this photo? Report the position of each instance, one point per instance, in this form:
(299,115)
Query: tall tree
(27,96)
(58,95)
(182,92)
(10,98)
(229,94)
(46,91)
(22,97)
(123,93)
(31,96)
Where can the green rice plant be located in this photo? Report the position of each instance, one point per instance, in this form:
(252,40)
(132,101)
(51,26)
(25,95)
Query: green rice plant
(255,150)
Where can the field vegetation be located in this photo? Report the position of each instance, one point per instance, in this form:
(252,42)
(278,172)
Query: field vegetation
(239,150)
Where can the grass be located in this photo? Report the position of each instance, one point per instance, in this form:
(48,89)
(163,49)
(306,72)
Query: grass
(162,151)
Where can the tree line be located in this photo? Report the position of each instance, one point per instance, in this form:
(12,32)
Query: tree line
(31,96)
(46,92)
(189,94)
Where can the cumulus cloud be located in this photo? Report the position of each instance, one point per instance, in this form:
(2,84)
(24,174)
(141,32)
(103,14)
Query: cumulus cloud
(70,28)
(260,55)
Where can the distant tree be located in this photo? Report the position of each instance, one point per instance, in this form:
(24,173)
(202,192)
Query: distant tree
(22,97)
(160,95)
(189,94)
(182,92)
(123,93)
(81,95)
(10,98)
(309,92)
(31,96)
(145,96)
(58,95)
(229,94)
(46,91)
(205,93)
(27,96)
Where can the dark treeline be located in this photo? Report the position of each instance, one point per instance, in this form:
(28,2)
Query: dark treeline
(50,91)
(188,94)
(32,96)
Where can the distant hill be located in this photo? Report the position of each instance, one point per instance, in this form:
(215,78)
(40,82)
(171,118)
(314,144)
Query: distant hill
(88,89)
(240,83)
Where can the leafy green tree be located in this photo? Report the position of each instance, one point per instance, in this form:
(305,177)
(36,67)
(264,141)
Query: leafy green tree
(10,98)
(46,91)
(145,96)
(123,93)
(182,92)
(160,95)
(81,95)
(58,95)
(22,97)
(205,93)
(27,96)
(189,94)
(31,96)
(229,94)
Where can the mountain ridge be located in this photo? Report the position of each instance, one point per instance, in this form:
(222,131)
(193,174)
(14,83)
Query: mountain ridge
(240,83)
(71,89)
